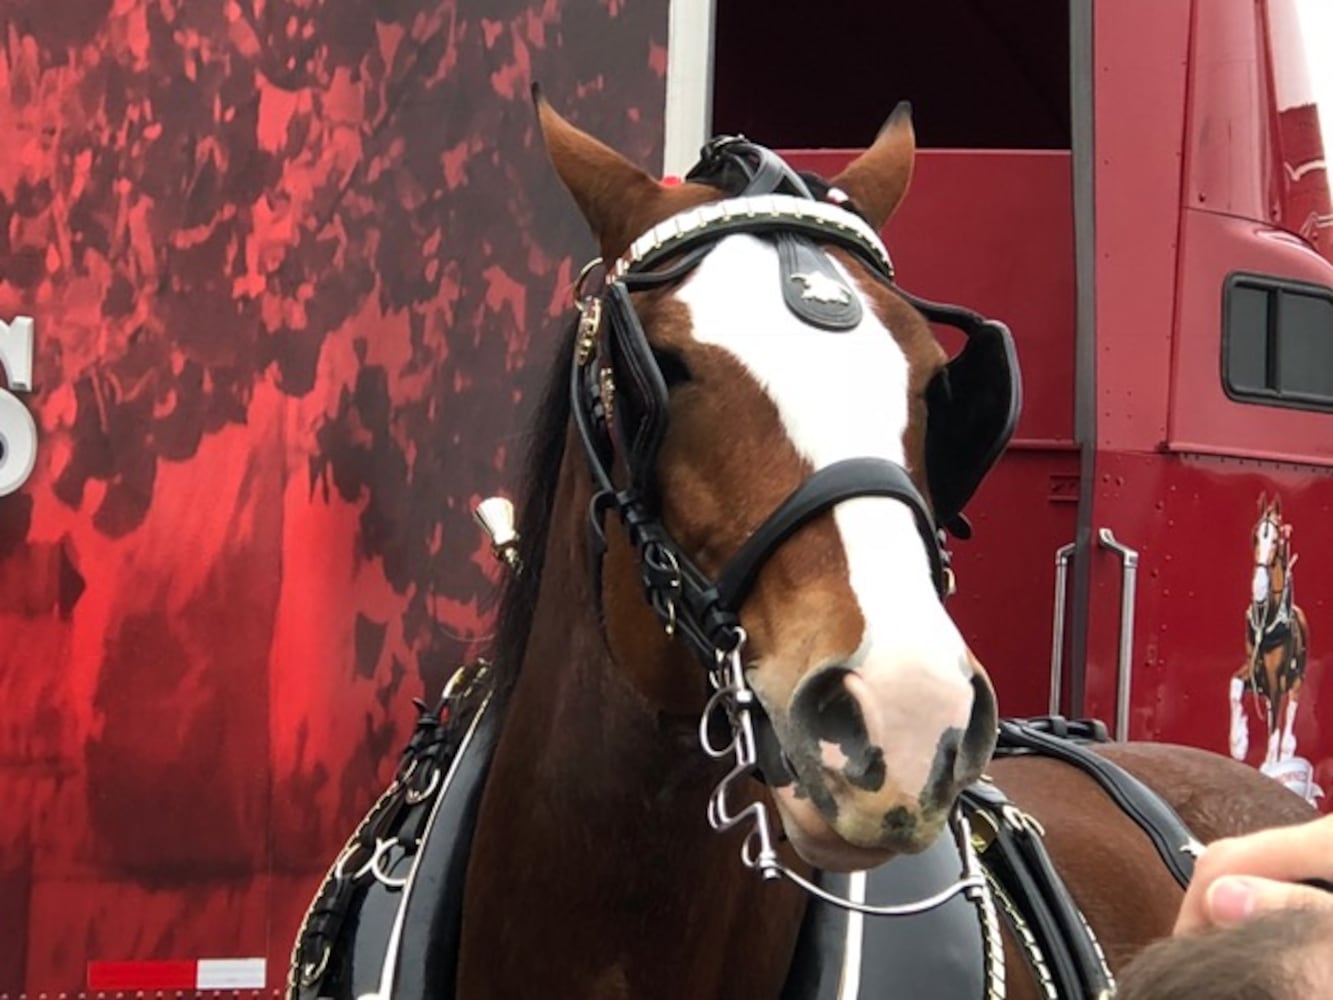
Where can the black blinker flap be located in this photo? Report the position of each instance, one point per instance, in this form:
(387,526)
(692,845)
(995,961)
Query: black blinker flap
(640,392)
(972,408)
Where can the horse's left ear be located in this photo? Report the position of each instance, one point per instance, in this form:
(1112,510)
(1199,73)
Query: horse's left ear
(877,179)
(613,194)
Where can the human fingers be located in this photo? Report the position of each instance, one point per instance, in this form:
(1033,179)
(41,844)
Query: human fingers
(1233,899)
(1282,854)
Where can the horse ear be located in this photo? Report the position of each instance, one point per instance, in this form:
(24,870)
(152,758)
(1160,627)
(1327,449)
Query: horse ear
(1263,501)
(613,194)
(1277,504)
(877,179)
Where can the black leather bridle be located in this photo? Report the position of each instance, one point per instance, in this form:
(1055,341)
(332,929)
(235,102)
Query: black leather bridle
(618,394)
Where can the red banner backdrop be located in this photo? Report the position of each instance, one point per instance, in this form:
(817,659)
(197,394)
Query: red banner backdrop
(294,266)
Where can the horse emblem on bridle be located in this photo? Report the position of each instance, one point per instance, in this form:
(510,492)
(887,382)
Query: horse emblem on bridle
(818,287)
(1276,648)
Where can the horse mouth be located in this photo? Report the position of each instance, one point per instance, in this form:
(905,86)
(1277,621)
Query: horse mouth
(868,843)
(850,800)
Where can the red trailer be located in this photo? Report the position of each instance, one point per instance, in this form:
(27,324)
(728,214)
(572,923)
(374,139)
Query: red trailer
(288,267)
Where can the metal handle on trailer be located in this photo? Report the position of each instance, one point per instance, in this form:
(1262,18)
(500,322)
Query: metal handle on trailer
(1062,557)
(1129,560)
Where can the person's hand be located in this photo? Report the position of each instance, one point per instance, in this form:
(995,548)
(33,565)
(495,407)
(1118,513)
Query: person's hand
(1241,877)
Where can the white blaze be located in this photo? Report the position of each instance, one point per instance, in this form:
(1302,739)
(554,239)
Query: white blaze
(1259,585)
(840,394)
(1263,555)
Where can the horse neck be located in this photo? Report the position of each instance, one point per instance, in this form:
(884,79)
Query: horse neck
(598,802)
(610,737)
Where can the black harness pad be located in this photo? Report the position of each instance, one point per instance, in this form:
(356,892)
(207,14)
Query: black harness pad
(938,953)
(433,920)
(399,937)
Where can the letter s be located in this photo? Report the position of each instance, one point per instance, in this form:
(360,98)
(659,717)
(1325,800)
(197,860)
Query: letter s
(18,431)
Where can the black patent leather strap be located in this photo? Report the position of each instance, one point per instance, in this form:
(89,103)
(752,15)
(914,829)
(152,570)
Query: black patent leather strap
(1018,861)
(1167,831)
(853,477)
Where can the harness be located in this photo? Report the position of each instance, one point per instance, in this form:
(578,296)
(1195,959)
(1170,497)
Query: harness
(1269,623)
(386,919)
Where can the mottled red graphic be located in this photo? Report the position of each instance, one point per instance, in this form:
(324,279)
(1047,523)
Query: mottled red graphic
(291,264)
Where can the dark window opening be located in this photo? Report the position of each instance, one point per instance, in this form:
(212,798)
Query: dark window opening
(981,74)
(1277,342)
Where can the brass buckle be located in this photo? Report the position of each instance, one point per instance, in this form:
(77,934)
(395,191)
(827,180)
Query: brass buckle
(590,321)
(984,830)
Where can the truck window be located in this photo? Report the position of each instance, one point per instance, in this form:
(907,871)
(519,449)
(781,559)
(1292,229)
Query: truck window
(980,75)
(1277,342)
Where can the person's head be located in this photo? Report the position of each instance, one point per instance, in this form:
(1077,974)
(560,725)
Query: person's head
(1282,956)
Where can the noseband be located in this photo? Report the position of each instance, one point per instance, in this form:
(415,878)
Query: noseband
(618,398)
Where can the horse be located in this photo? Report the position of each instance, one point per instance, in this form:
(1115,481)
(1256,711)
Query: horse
(1277,639)
(749,445)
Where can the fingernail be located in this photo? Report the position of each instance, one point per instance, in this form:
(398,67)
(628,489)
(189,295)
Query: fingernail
(1231,901)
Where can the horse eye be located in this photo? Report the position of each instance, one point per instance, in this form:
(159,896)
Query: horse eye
(672,366)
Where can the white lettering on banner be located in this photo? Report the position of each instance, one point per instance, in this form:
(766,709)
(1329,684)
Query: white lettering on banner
(18,431)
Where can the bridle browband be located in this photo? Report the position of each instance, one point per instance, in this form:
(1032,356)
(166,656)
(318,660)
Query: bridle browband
(618,401)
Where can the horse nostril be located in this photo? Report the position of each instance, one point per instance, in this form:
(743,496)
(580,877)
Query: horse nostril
(978,741)
(826,709)
(829,714)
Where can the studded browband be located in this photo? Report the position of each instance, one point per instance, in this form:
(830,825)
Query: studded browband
(756,214)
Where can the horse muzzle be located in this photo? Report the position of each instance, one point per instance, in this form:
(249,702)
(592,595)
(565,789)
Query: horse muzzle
(878,757)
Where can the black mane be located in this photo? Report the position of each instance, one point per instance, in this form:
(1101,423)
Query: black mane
(533,501)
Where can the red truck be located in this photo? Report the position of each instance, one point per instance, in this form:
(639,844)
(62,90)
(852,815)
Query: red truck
(288,273)
(1164,254)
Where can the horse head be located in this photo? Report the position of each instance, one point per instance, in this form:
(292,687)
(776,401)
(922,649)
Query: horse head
(781,435)
(1269,545)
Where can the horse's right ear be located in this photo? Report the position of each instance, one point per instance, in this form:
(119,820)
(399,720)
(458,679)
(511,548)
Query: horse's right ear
(613,194)
(878,178)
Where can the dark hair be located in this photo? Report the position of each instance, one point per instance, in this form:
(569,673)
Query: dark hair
(534,499)
(1266,958)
